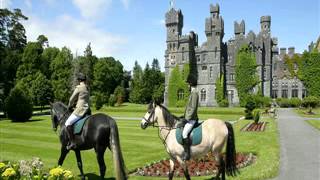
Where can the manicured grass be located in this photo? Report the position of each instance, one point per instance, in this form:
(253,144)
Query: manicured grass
(140,147)
(302,112)
(128,107)
(314,123)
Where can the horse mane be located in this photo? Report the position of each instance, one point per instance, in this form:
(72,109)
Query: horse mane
(169,118)
(59,107)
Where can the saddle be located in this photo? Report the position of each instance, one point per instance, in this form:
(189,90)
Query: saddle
(78,125)
(195,134)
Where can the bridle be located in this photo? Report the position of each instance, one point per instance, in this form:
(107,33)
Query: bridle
(152,112)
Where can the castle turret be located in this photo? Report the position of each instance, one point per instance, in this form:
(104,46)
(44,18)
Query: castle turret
(265,22)
(239,28)
(174,23)
(214,27)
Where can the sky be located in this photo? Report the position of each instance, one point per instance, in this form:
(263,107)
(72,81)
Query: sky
(131,30)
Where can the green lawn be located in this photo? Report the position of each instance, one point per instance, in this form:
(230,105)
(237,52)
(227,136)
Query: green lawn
(314,123)
(36,139)
(302,112)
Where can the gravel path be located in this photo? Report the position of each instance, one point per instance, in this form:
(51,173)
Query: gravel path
(300,148)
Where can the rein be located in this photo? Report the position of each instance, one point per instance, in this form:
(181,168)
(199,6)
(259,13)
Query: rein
(161,127)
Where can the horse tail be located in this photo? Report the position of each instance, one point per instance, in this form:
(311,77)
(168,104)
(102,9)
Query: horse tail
(231,167)
(119,165)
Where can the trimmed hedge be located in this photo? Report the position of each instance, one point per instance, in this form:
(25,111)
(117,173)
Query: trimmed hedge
(18,106)
(293,102)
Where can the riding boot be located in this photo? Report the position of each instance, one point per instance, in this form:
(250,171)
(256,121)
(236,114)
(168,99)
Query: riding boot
(72,144)
(186,146)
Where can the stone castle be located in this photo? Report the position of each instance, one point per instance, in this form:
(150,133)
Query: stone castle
(215,57)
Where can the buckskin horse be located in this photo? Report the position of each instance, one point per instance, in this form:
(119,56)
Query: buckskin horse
(99,132)
(215,133)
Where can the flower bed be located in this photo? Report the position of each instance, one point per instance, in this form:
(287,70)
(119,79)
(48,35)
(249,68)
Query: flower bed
(203,167)
(32,170)
(256,127)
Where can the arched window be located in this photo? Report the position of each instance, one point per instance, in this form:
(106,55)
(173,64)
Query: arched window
(203,95)
(180,94)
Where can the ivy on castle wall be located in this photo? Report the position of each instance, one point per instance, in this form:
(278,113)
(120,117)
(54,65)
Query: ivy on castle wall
(177,82)
(220,95)
(290,62)
(246,74)
(309,72)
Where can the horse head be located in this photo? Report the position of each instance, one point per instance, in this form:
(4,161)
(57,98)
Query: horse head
(149,117)
(58,111)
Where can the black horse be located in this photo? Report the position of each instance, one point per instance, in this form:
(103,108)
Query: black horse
(99,132)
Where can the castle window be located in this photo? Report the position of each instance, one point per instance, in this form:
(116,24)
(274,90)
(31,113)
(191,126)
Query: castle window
(274,94)
(182,56)
(174,46)
(231,77)
(203,95)
(204,68)
(180,94)
(294,93)
(304,93)
(218,33)
(284,93)
(211,72)
(198,58)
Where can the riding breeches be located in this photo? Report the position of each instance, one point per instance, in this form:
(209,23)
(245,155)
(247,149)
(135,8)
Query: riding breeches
(72,119)
(187,128)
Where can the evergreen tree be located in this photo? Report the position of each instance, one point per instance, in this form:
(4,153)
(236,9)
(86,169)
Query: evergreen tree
(41,90)
(48,55)
(31,60)
(61,68)
(108,74)
(136,85)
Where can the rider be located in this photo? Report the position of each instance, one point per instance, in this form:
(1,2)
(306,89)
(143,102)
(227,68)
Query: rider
(80,98)
(190,115)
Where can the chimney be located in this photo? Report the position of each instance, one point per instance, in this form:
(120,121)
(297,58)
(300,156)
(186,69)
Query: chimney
(291,51)
(283,51)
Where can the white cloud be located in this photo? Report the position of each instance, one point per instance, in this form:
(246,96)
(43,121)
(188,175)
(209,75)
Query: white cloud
(126,3)
(5,4)
(75,34)
(92,8)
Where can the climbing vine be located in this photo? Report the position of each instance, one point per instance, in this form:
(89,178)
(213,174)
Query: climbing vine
(246,73)
(220,95)
(177,82)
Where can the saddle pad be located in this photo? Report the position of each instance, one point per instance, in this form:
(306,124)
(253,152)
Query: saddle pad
(196,135)
(77,127)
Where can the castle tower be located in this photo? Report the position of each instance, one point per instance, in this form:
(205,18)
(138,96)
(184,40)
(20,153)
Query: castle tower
(239,28)
(265,23)
(214,28)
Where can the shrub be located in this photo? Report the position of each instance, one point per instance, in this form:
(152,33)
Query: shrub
(99,100)
(310,102)
(250,106)
(223,103)
(120,93)
(181,103)
(295,102)
(256,115)
(18,106)
(112,100)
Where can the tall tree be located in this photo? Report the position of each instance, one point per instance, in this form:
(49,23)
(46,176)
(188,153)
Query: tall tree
(61,68)
(31,60)
(48,55)
(85,65)
(42,90)
(43,41)
(108,75)
(136,84)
